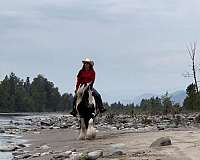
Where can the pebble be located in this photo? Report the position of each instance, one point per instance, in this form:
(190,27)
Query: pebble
(95,154)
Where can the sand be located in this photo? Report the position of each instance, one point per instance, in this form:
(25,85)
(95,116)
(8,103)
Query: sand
(135,145)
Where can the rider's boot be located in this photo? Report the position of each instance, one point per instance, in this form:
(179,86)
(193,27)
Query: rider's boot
(98,99)
(73,112)
(102,109)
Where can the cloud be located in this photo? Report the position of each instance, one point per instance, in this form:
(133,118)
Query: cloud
(138,45)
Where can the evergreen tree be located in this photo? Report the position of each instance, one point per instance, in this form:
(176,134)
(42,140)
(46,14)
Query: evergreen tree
(167,103)
(66,102)
(192,100)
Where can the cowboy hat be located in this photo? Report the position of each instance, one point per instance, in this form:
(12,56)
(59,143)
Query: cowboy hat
(87,60)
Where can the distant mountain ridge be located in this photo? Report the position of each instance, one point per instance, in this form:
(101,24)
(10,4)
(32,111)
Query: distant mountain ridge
(176,97)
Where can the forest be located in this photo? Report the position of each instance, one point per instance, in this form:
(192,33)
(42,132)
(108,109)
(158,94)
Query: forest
(41,95)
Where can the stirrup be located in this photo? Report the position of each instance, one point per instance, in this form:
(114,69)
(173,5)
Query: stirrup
(73,113)
(102,110)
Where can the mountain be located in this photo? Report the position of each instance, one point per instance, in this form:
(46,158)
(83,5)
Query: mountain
(138,99)
(176,97)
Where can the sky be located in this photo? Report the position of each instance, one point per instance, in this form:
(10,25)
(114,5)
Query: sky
(138,46)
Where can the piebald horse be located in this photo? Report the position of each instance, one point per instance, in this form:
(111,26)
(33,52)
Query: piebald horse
(87,111)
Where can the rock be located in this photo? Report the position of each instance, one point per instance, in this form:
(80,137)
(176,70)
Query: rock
(21,145)
(94,155)
(16,153)
(191,118)
(45,153)
(117,149)
(83,157)
(8,148)
(51,127)
(18,123)
(27,156)
(197,118)
(118,146)
(73,150)
(2,131)
(77,156)
(68,152)
(36,132)
(43,127)
(11,127)
(12,132)
(138,153)
(160,128)
(44,123)
(118,153)
(24,130)
(45,147)
(163,141)
(23,156)
(36,155)
(146,121)
(61,156)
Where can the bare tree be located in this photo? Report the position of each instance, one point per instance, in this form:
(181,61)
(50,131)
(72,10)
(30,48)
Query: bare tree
(192,53)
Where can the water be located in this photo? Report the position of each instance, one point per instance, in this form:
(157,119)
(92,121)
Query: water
(7,139)
(20,121)
(4,141)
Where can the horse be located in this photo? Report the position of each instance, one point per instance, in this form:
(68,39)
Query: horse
(87,111)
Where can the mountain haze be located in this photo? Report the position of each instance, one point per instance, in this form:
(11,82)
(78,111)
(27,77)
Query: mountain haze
(176,97)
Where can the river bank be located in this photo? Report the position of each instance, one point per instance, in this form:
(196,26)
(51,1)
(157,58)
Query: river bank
(119,137)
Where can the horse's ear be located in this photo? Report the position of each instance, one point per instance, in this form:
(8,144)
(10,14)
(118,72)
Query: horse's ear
(80,88)
(89,83)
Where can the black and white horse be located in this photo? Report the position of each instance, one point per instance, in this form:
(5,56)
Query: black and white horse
(86,108)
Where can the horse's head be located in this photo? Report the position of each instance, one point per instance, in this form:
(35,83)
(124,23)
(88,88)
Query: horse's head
(82,93)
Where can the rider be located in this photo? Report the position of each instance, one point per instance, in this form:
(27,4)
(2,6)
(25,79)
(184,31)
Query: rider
(87,75)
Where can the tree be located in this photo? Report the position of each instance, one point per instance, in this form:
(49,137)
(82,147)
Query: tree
(66,102)
(167,103)
(27,85)
(191,102)
(192,53)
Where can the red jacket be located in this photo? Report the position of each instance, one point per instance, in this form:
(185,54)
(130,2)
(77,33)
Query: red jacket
(85,76)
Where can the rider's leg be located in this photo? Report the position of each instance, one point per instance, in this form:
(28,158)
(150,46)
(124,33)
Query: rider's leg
(99,101)
(74,112)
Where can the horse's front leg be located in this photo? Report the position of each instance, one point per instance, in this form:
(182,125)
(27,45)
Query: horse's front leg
(91,131)
(83,131)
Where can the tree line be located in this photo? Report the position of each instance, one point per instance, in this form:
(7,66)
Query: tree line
(40,95)
(162,105)
(153,105)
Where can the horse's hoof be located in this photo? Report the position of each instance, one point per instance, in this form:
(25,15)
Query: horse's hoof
(91,134)
(91,137)
(82,138)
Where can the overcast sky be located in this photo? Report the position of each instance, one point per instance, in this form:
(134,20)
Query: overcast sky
(139,46)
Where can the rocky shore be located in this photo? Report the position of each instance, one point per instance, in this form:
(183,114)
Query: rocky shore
(119,137)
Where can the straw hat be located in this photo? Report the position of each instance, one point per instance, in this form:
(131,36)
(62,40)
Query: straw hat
(87,60)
